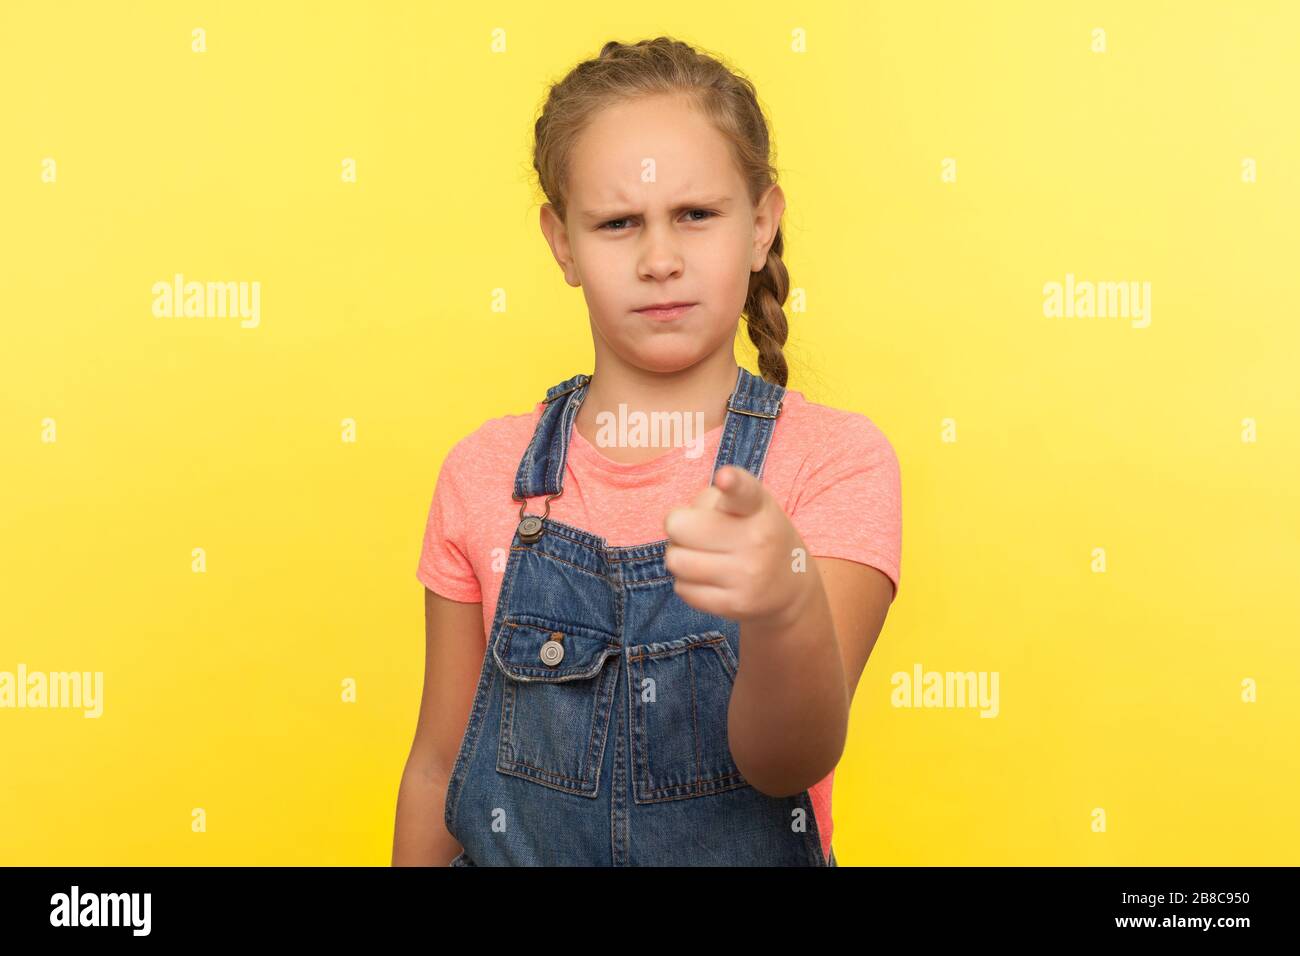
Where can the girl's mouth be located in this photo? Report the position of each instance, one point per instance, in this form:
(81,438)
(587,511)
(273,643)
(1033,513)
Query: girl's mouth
(671,312)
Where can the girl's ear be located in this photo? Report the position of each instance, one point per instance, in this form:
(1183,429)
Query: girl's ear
(557,237)
(767,217)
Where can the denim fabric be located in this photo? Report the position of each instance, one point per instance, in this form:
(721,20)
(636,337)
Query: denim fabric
(617,753)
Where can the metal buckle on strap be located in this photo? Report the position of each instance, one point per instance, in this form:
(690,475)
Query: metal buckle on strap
(571,388)
(742,411)
(531,527)
(524,506)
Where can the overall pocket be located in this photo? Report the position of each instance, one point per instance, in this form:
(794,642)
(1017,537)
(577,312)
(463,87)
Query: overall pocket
(555,707)
(680,691)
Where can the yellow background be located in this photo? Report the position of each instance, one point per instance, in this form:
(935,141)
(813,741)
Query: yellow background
(1119,690)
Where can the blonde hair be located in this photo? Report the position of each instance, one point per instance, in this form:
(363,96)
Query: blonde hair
(625,71)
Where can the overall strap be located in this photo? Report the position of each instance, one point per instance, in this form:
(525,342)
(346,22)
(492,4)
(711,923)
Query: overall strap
(752,410)
(541,470)
(751,418)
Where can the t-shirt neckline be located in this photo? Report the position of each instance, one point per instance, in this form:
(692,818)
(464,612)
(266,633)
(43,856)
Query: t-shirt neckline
(581,448)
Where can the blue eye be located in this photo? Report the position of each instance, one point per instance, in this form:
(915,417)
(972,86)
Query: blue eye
(708,214)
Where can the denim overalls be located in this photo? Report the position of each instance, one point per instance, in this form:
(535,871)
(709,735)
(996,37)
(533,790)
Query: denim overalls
(598,733)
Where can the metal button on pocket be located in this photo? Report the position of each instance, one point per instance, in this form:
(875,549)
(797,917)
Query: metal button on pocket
(553,651)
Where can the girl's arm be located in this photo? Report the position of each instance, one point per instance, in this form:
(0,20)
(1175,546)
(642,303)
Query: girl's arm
(454,649)
(798,674)
(806,627)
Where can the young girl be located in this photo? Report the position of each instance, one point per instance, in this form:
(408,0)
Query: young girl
(666,643)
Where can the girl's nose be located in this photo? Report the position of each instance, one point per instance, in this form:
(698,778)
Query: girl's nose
(660,259)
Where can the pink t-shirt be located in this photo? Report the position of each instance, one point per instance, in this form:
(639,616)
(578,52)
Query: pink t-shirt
(833,472)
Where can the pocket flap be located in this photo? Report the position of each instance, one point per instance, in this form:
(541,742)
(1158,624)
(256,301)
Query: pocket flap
(518,649)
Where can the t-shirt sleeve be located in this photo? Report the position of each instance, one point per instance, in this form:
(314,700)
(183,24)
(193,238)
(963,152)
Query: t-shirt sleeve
(445,567)
(851,504)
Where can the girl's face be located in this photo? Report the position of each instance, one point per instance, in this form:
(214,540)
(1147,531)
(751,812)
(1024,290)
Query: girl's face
(658,212)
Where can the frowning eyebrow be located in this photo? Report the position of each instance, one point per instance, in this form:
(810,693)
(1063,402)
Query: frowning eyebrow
(622,212)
